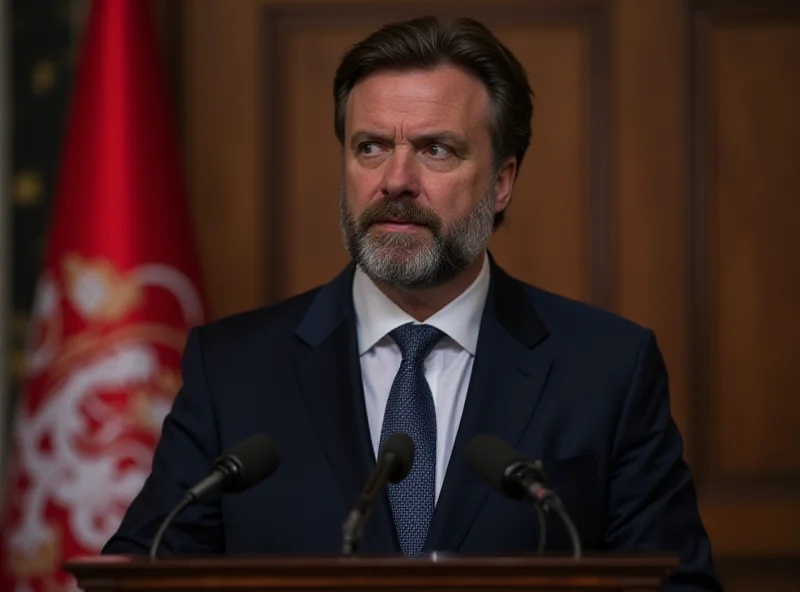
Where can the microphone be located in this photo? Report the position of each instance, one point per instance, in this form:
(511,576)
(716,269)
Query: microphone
(394,462)
(241,467)
(519,478)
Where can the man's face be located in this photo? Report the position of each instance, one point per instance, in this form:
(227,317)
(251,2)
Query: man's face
(420,193)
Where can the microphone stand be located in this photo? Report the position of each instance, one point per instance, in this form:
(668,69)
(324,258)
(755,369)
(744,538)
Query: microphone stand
(557,506)
(542,528)
(546,500)
(185,501)
(353,527)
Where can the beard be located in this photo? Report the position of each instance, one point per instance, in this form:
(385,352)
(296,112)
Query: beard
(425,258)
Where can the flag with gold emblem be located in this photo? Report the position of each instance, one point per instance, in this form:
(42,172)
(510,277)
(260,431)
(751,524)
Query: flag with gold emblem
(117,294)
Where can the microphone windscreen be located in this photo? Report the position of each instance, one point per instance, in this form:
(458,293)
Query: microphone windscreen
(489,457)
(256,458)
(402,446)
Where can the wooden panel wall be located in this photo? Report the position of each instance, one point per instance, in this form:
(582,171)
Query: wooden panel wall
(225,155)
(662,184)
(743,228)
(753,225)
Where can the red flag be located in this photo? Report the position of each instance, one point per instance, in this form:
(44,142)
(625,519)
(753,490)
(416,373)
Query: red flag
(117,295)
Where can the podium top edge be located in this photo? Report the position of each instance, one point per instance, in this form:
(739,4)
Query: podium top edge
(223,563)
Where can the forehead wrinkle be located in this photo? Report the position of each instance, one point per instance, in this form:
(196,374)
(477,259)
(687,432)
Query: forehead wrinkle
(419,124)
(435,110)
(391,105)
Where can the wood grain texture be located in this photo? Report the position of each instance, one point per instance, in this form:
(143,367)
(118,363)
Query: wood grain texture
(545,240)
(776,574)
(754,236)
(610,573)
(651,144)
(313,249)
(741,226)
(752,526)
(222,149)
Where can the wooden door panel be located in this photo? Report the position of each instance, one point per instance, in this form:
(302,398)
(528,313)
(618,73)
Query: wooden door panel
(313,250)
(224,152)
(754,237)
(743,224)
(651,209)
(545,240)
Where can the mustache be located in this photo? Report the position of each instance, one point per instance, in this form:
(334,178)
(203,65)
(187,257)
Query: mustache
(399,210)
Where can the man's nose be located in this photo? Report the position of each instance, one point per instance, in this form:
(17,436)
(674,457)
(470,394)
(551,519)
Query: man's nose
(401,176)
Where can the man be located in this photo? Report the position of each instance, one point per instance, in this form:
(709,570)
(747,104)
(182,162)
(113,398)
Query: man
(424,334)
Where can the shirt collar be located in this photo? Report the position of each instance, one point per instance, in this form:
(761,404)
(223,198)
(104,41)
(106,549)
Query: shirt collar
(377,315)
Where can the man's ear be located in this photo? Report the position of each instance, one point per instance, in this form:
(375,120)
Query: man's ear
(504,184)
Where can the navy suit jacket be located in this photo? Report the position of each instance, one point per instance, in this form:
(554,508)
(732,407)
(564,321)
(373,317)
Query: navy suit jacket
(579,388)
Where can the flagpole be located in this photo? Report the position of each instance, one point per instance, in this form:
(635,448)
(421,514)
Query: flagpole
(5,239)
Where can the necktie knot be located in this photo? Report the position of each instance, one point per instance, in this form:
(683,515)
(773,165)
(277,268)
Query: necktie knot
(416,341)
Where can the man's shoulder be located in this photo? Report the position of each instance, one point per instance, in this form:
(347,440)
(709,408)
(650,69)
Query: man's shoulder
(578,321)
(243,328)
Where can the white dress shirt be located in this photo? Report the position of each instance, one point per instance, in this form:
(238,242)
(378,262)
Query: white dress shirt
(447,368)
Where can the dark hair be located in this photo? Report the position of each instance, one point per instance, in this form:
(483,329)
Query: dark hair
(427,42)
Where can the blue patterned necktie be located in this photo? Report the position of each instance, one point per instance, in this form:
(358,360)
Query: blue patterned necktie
(410,410)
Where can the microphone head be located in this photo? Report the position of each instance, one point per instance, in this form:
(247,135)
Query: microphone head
(494,461)
(402,447)
(248,463)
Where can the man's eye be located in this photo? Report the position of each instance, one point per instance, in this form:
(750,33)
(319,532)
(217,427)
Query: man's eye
(370,148)
(439,151)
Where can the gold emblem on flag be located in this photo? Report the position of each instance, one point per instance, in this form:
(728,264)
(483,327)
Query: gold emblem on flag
(42,557)
(99,291)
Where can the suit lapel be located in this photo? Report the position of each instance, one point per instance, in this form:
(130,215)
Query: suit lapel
(329,372)
(508,376)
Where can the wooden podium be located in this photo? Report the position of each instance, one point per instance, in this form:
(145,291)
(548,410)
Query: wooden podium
(295,573)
